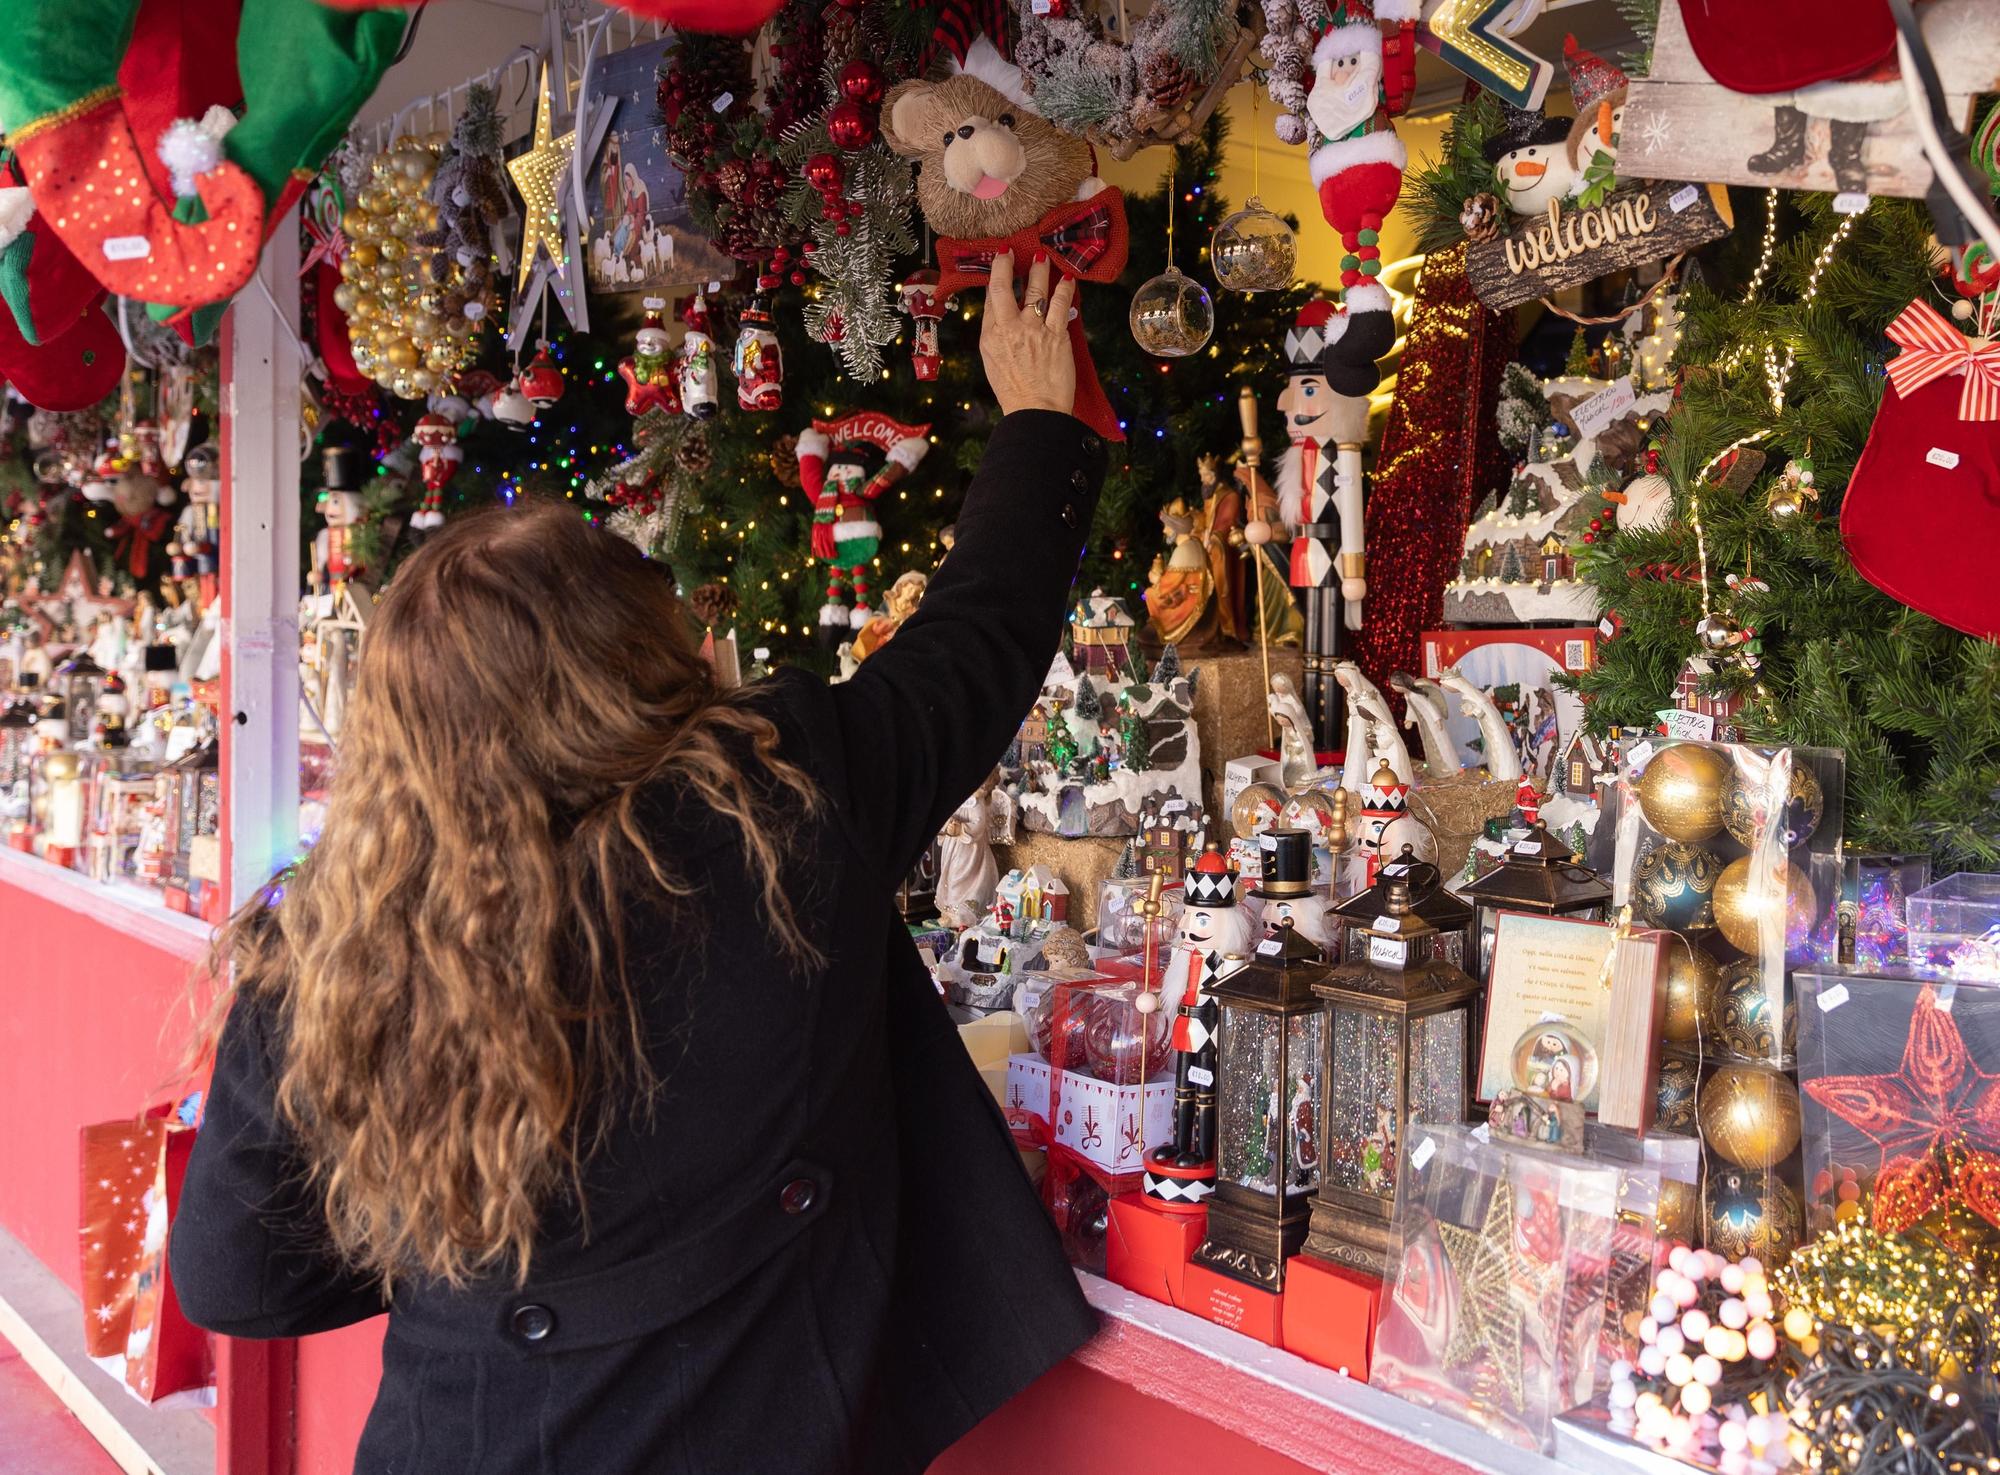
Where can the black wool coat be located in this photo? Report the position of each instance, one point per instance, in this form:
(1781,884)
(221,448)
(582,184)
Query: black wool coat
(819,1252)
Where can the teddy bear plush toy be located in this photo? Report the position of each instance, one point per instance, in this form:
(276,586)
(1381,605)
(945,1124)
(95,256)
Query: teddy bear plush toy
(994,176)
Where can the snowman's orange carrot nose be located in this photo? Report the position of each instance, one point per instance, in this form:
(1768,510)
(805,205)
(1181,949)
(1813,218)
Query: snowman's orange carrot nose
(1529,169)
(1604,124)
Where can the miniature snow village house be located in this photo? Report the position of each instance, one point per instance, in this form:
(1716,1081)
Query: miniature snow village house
(1172,831)
(1696,692)
(1100,634)
(1036,894)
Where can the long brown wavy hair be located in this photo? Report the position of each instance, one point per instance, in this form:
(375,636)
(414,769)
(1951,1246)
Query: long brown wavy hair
(448,962)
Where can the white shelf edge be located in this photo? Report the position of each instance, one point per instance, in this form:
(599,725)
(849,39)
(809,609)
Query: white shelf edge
(124,907)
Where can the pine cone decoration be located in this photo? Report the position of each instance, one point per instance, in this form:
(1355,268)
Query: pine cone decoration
(1481,217)
(712,603)
(732,177)
(1167,83)
(785,461)
(693,455)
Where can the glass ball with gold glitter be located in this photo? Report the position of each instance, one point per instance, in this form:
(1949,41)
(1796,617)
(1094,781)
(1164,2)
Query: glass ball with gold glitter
(1674,1096)
(1741,1016)
(1253,250)
(1690,973)
(1683,791)
(1749,1115)
(1745,814)
(1744,902)
(1750,1213)
(1674,886)
(1172,316)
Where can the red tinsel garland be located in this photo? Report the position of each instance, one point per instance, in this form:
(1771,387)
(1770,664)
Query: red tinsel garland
(1440,455)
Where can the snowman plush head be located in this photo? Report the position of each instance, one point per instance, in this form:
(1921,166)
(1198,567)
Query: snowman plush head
(1530,160)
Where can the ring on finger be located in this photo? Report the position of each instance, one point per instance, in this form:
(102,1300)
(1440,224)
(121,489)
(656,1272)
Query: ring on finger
(1036,306)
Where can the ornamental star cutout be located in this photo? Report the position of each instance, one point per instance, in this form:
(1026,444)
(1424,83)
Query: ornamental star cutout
(537,176)
(1489,1319)
(1936,1121)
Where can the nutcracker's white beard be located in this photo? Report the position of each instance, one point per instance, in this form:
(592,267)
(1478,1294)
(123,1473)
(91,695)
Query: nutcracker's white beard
(1291,484)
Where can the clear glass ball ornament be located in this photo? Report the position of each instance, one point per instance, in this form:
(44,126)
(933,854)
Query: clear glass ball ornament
(1172,315)
(1253,250)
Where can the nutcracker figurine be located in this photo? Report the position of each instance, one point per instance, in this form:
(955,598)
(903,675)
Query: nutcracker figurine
(700,389)
(1328,356)
(844,465)
(651,382)
(926,310)
(757,363)
(438,459)
(333,560)
(196,548)
(1213,942)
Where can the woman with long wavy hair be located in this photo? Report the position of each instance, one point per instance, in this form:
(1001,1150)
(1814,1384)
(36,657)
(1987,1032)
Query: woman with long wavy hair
(586,1042)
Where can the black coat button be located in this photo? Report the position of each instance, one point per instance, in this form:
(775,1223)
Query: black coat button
(1080,480)
(798,1196)
(1092,444)
(1069,513)
(533,1323)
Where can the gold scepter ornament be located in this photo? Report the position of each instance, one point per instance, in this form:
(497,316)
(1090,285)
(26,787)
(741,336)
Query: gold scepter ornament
(1251,453)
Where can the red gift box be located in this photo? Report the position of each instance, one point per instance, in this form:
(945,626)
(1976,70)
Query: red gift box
(1230,1303)
(1329,1314)
(1148,1248)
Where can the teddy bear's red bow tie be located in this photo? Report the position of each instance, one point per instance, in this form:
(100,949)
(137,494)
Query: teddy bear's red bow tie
(1087,240)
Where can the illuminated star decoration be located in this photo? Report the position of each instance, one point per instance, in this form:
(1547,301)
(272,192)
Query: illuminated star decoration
(1936,1120)
(1471,37)
(548,230)
(1489,1319)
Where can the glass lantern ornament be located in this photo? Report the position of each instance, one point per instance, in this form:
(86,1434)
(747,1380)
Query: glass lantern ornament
(79,681)
(17,739)
(1430,899)
(1270,1063)
(1253,250)
(194,807)
(1172,315)
(1399,1035)
(1537,876)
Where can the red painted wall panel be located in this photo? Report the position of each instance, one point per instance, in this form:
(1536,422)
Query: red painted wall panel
(337,1374)
(91,1023)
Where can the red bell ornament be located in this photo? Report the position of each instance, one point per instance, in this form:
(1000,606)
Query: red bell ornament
(851,126)
(861,81)
(542,382)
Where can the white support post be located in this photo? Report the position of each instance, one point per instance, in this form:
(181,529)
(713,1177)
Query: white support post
(260,746)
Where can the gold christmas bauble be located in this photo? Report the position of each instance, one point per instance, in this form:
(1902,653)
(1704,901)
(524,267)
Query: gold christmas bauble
(1674,1096)
(394,248)
(1805,802)
(345,296)
(1674,884)
(424,380)
(1741,907)
(442,357)
(1750,1115)
(1690,974)
(1741,1017)
(1683,791)
(404,386)
(1679,1204)
(1745,1213)
(363,256)
(402,354)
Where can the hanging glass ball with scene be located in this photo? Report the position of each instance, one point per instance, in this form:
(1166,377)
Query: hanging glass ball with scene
(1253,250)
(1172,315)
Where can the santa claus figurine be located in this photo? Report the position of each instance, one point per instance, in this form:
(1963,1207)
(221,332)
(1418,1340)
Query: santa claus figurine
(1213,942)
(1357,159)
(1330,358)
(438,459)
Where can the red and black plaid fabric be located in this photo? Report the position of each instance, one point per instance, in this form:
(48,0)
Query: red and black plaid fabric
(960,21)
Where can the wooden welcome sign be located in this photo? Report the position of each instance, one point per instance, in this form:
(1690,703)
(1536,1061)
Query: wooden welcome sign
(1574,244)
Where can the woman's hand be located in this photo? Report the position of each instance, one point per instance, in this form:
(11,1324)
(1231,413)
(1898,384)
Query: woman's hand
(1029,364)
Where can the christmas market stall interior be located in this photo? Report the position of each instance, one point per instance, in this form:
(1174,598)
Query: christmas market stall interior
(1481,938)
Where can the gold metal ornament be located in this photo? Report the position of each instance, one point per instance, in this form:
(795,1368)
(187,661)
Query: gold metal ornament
(1741,907)
(1749,1114)
(538,175)
(1805,804)
(1740,1017)
(1690,974)
(1683,791)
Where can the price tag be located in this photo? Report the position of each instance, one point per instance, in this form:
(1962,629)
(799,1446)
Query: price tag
(1267,841)
(1422,1153)
(722,102)
(1851,202)
(1528,847)
(1939,456)
(1270,947)
(1603,407)
(1396,868)
(1698,726)
(127,248)
(1174,806)
(1389,951)
(1636,759)
(1386,924)
(1197,1076)
(1831,999)
(1683,198)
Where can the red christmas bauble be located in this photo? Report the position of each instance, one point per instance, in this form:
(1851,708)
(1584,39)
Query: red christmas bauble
(850,125)
(825,174)
(861,80)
